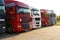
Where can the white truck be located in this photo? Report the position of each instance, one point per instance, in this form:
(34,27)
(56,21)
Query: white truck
(36,18)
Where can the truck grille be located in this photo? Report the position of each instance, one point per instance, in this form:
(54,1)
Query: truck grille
(37,22)
(37,19)
(2,16)
(25,25)
(2,23)
(26,19)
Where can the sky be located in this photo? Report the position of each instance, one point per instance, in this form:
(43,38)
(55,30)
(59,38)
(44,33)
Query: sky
(44,4)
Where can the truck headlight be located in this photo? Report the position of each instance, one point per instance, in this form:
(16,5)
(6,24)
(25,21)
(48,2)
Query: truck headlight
(18,26)
(3,27)
(20,19)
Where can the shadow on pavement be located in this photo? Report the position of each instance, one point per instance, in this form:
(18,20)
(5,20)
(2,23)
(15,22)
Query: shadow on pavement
(2,36)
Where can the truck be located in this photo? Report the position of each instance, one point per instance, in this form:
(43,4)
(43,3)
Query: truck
(51,17)
(2,17)
(18,17)
(9,0)
(44,20)
(36,18)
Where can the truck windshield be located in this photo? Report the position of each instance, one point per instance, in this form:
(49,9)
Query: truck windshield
(53,15)
(23,10)
(2,9)
(36,12)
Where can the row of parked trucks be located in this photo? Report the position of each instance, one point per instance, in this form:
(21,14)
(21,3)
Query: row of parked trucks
(17,17)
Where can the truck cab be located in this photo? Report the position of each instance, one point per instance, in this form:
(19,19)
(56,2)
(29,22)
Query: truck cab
(18,17)
(2,17)
(36,18)
(52,17)
(44,19)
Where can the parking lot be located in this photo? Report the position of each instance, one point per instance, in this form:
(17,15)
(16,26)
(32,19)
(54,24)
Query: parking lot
(46,33)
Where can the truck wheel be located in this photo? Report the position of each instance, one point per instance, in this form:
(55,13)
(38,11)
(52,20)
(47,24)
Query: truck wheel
(9,28)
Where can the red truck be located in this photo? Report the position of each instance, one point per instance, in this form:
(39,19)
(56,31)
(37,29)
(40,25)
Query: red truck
(44,18)
(18,17)
(8,0)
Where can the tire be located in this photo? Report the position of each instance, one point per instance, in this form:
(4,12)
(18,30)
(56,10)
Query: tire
(9,28)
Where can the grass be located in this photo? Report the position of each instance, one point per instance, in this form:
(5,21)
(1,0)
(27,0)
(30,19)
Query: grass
(58,21)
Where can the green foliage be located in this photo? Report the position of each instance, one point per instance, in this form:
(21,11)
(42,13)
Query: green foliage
(58,19)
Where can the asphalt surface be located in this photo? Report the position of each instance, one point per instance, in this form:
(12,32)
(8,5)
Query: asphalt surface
(46,33)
